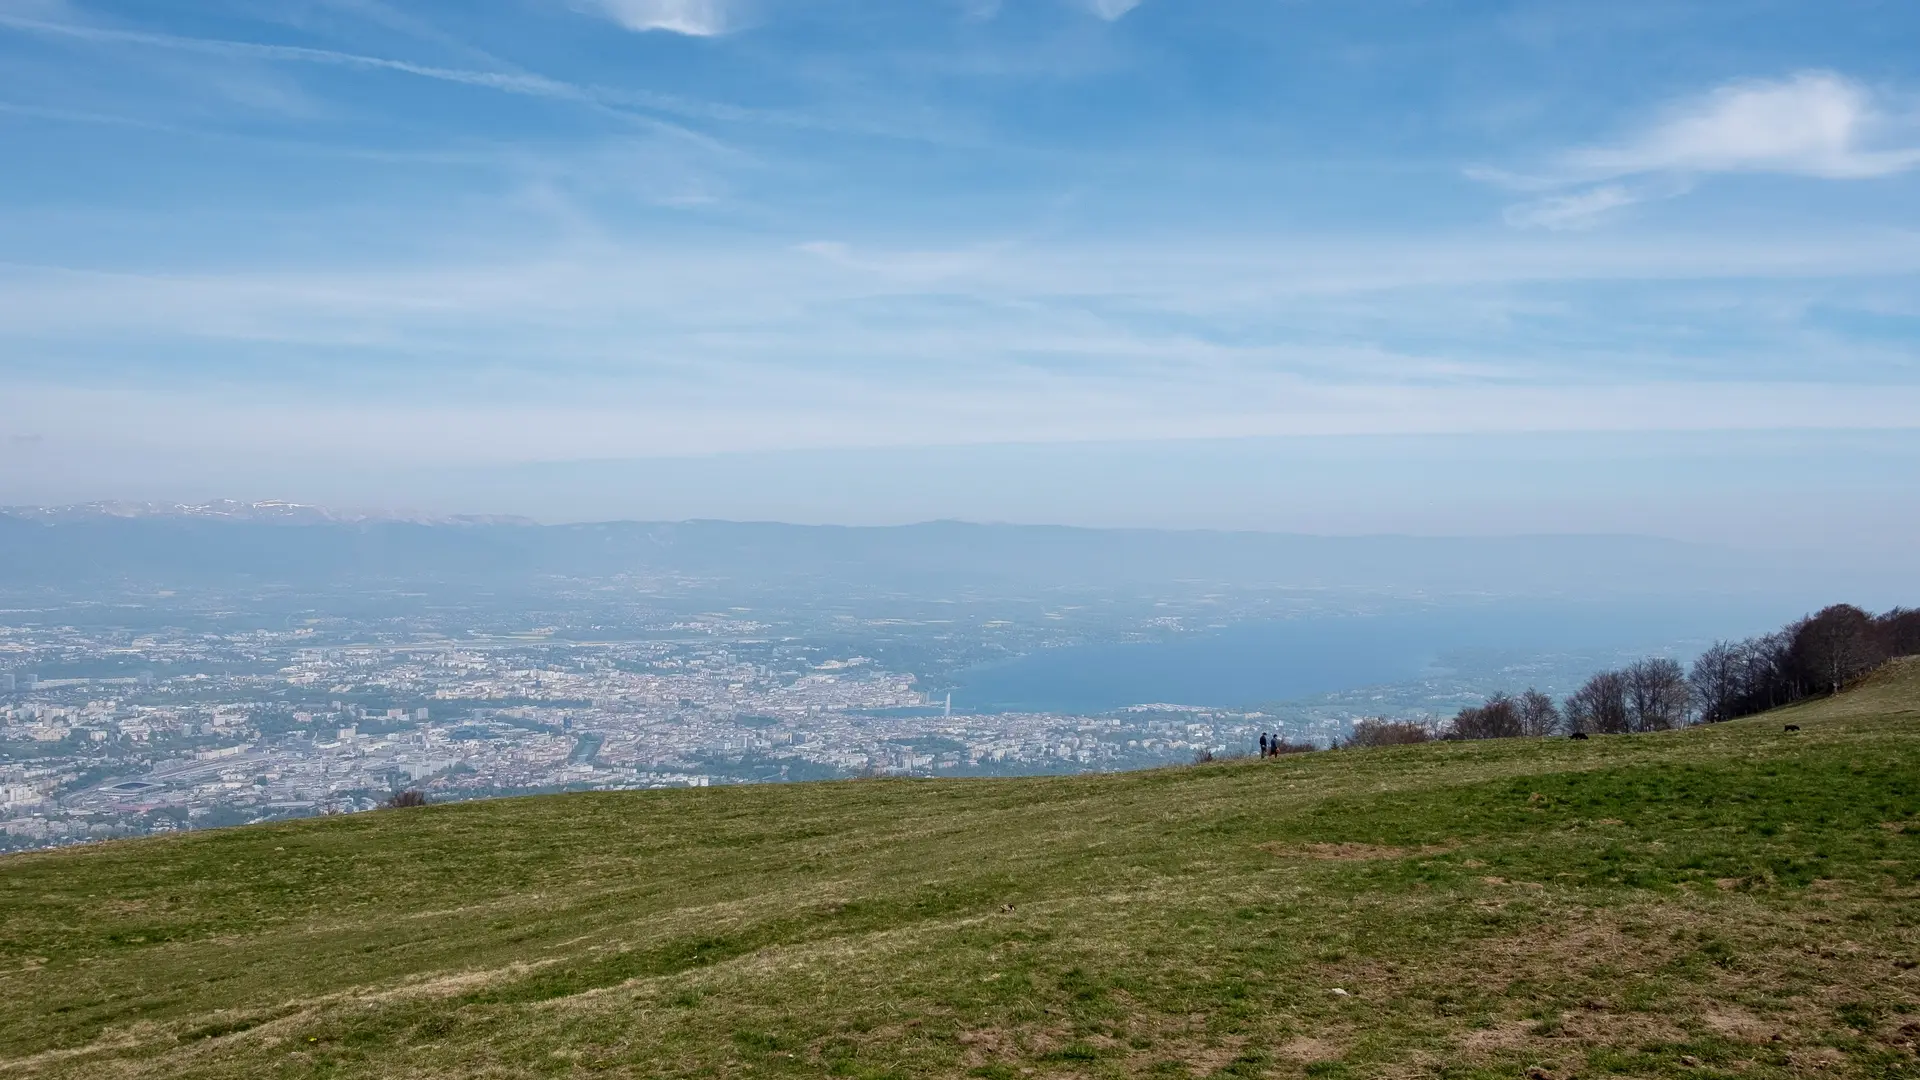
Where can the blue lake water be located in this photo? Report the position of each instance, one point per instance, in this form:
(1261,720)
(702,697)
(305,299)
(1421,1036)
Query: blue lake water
(1293,658)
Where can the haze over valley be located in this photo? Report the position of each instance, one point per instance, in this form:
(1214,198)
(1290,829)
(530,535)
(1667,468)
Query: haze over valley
(169,667)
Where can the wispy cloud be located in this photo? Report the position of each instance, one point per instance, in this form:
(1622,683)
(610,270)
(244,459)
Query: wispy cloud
(131,426)
(78,116)
(640,106)
(389,17)
(1814,124)
(1111,10)
(607,349)
(510,82)
(1579,210)
(1590,207)
(695,18)
(1400,311)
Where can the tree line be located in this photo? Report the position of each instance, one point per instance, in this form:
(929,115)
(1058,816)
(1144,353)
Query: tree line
(1811,657)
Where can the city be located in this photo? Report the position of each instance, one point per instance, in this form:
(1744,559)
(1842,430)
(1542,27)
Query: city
(286,726)
(148,684)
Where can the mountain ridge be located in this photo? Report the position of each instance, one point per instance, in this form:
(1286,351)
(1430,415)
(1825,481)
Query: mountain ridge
(275,511)
(300,545)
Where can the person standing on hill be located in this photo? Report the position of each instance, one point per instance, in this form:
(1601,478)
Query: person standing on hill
(1263,744)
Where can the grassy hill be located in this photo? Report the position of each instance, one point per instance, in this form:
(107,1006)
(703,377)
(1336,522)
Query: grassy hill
(1726,901)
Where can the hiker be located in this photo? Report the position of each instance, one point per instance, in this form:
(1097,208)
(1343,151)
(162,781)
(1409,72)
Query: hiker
(1263,744)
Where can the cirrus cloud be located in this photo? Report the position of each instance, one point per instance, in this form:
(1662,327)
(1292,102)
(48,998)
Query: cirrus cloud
(695,18)
(1816,124)
(1579,210)
(1112,10)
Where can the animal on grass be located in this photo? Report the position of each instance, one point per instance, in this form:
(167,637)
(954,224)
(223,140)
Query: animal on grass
(1581,735)
(1793,727)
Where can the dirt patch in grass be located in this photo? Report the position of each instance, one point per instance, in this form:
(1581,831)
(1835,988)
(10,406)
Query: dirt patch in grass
(1905,1037)
(1309,1049)
(1507,1035)
(1816,1057)
(1201,1059)
(989,1046)
(1618,1029)
(1517,884)
(1738,1025)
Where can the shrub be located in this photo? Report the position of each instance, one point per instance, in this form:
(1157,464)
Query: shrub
(1499,718)
(1384,732)
(401,799)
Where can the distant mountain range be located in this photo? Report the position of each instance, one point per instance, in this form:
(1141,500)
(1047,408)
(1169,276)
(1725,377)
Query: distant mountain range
(272,512)
(299,546)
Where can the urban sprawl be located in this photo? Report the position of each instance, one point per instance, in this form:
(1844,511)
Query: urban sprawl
(193,730)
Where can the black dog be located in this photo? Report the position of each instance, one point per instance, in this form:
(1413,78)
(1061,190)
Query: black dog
(1578,735)
(1793,727)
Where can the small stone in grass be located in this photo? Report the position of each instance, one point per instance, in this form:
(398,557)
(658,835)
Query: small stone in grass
(1337,992)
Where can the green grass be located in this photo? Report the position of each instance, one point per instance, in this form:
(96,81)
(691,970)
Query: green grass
(1721,902)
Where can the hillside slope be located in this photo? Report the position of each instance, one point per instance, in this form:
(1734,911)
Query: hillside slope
(1736,900)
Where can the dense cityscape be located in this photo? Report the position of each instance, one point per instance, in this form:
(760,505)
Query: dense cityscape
(189,667)
(267,724)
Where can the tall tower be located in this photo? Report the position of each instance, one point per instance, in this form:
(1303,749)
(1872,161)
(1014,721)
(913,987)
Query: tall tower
(949,703)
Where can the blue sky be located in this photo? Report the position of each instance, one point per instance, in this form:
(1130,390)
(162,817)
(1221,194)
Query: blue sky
(351,248)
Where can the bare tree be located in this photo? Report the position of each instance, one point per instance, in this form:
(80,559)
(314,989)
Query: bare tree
(1538,716)
(1716,682)
(1836,646)
(1499,718)
(1766,672)
(1657,695)
(1899,632)
(402,799)
(1600,706)
(1819,654)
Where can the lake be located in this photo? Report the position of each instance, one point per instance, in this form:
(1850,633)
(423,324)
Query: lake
(1280,660)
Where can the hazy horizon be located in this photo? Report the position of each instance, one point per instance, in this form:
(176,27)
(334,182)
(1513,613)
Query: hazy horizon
(1852,495)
